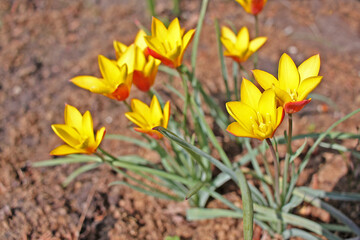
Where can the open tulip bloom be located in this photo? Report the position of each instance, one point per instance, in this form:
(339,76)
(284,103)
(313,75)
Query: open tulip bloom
(168,44)
(253,7)
(148,117)
(142,66)
(77,133)
(115,84)
(294,84)
(239,47)
(256,115)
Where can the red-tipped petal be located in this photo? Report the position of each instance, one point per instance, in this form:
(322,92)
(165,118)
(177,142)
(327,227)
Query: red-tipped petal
(163,59)
(294,107)
(141,82)
(121,93)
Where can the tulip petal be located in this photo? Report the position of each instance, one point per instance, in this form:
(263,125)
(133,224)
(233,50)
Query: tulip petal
(256,43)
(73,117)
(66,149)
(139,59)
(310,67)
(283,96)
(156,112)
(307,85)
(138,119)
(228,34)
(127,58)
(140,41)
(174,31)
(88,128)
(109,70)
(166,114)
(155,45)
(238,130)
(242,40)
(267,105)
(158,29)
(100,136)
(93,84)
(250,94)
(289,78)
(279,117)
(294,107)
(266,80)
(119,48)
(68,134)
(242,113)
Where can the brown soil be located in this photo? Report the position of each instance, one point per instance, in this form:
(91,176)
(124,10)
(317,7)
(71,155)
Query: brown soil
(43,44)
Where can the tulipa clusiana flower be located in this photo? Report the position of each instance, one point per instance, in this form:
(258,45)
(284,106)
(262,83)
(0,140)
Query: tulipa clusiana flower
(253,7)
(77,133)
(293,84)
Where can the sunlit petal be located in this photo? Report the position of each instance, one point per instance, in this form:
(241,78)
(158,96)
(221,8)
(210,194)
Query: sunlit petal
(266,80)
(250,94)
(65,150)
(307,85)
(289,78)
(310,67)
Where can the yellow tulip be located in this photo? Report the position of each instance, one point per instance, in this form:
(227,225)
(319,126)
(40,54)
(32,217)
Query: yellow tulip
(168,44)
(256,115)
(115,84)
(142,66)
(239,47)
(77,133)
(253,7)
(147,117)
(294,83)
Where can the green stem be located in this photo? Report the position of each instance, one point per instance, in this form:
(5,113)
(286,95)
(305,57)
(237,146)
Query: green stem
(287,159)
(176,8)
(256,35)
(244,73)
(151,7)
(276,172)
(186,103)
(127,105)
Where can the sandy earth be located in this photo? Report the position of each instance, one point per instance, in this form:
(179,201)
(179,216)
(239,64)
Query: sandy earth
(43,44)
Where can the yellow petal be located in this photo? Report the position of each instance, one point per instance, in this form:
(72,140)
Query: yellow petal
(73,117)
(186,41)
(288,74)
(236,129)
(65,150)
(279,116)
(229,45)
(119,48)
(140,41)
(174,31)
(283,96)
(256,43)
(138,119)
(155,44)
(93,84)
(128,58)
(307,85)
(68,134)
(158,29)
(100,136)
(109,71)
(310,67)
(242,113)
(87,127)
(156,112)
(242,40)
(139,59)
(266,80)
(250,94)
(166,114)
(267,105)
(226,33)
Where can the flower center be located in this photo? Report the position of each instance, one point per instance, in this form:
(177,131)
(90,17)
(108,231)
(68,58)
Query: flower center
(263,127)
(293,94)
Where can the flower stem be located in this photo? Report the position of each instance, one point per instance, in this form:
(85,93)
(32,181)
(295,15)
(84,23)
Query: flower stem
(287,159)
(187,98)
(276,172)
(256,35)
(127,105)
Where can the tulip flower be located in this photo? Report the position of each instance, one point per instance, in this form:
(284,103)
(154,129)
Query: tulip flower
(147,117)
(139,42)
(168,44)
(256,115)
(253,7)
(293,84)
(143,68)
(115,84)
(77,133)
(239,47)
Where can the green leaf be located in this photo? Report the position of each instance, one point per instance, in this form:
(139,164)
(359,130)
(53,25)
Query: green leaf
(128,139)
(193,214)
(298,151)
(295,232)
(65,160)
(194,189)
(79,171)
(238,177)
(342,196)
(293,203)
(172,238)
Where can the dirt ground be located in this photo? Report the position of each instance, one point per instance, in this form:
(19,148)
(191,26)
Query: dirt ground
(43,44)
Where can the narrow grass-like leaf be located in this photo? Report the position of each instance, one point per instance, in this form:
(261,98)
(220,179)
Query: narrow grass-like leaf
(293,203)
(64,160)
(336,227)
(79,171)
(222,61)
(128,139)
(210,213)
(298,151)
(238,177)
(295,232)
(342,196)
(193,190)
(333,211)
